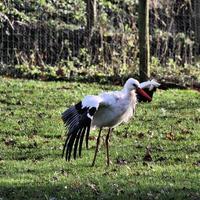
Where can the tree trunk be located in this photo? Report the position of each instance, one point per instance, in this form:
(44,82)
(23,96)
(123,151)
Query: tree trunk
(196,4)
(144,39)
(91,12)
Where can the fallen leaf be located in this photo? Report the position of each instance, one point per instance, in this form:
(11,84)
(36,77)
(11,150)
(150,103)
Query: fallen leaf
(121,161)
(64,88)
(52,198)
(41,115)
(141,135)
(197,163)
(92,138)
(170,136)
(150,133)
(10,142)
(30,170)
(19,102)
(55,178)
(159,148)
(63,172)
(150,194)
(145,164)
(186,131)
(93,187)
(163,110)
(105,174)
(126,135)
(148,156)
(178,160)
(161,159)
(139,146)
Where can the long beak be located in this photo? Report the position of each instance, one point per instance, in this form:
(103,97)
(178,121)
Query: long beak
(143,93)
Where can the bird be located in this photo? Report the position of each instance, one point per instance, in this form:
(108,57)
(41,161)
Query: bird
(149,87)
(106,110)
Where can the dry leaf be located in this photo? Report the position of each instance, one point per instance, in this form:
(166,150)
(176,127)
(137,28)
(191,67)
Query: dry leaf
(10,142)
(93,187)
(161,159)
(141,135)
(197,163)
(170,136)
(121,161)
(148,156)
(92,138)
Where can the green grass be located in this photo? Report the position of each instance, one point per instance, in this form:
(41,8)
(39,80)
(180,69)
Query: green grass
(32,135)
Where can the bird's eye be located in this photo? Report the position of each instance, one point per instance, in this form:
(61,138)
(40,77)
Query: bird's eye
(134,85)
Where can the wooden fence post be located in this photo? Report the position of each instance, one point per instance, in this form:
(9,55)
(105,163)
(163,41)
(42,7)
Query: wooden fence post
(144,39)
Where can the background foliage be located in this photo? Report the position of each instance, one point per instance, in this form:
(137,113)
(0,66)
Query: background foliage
(48,39)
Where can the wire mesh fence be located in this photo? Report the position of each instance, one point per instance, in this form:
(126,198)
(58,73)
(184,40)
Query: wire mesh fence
(173,31)
(82,34)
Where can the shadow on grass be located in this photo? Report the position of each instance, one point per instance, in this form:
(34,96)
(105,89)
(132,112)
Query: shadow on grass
(109,191)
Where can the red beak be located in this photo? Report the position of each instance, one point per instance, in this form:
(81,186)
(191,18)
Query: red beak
(143,93)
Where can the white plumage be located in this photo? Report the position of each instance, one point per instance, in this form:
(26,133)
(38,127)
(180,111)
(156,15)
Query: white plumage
(151,84)
(108,109)
(115,108)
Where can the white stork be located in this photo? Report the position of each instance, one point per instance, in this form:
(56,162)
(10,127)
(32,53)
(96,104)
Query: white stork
(108,109)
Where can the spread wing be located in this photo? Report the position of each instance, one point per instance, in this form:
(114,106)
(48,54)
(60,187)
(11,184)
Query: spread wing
(77,120)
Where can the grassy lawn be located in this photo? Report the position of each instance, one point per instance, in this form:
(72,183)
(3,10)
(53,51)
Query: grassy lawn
(32,135)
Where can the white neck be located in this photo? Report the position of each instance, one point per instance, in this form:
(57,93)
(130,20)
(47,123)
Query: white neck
(127,91)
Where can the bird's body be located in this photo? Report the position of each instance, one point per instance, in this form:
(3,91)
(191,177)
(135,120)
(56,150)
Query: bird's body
(107,109)
(119,107)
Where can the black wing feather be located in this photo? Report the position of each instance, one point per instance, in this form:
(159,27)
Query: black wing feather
(91,113)
(64,147)
(77,121)
(70,144)
(87,137)
(77,142)
(81,141)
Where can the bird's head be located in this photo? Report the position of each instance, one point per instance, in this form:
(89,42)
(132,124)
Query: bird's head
(133,84)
